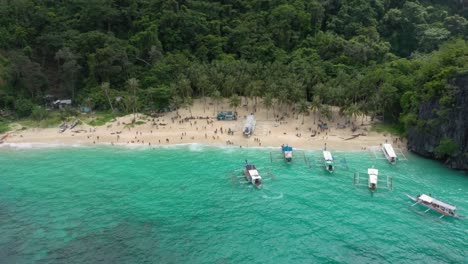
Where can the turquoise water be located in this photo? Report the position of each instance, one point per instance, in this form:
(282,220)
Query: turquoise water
(180,205)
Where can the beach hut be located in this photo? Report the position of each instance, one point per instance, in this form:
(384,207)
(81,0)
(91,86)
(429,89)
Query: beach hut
(63,103)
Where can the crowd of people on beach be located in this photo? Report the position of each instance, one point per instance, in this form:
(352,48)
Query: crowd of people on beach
(175,128)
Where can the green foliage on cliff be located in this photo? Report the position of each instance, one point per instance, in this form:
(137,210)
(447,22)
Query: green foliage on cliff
(383,57)
(446,148)
(431,75)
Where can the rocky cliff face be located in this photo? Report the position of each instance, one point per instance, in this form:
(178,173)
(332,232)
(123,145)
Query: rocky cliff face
(423,141)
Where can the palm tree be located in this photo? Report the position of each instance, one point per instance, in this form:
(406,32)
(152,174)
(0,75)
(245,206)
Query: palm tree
(282,99)
(188,102)
(315,105)
(364,110)
(216,96)
(234,101)
(352,111)
(205,85)
(255,91)
(303,108)
(133,86)
(177,101)
(184,86)
(105,88)
(326,111)
(268,102)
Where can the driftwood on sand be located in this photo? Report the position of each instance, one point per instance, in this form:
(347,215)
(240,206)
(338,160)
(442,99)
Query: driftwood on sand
(353,136)
(3,138)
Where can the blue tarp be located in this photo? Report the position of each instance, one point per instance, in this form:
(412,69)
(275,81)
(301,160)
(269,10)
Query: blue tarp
(287,148)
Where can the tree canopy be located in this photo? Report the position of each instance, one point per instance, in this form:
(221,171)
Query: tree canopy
(378,57)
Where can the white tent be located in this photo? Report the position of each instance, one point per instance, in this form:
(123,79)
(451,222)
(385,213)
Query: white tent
(249,125)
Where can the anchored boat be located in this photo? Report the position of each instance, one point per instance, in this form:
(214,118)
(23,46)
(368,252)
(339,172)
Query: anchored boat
(373,178)
(433,204)
(287,152)
(389,153)
(328,161)
(252,175)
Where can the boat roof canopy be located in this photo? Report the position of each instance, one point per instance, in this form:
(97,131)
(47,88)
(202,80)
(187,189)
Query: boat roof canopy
(389,149)
(254,174)
(327,155)
(373,171)
(429,199)
(373,178)
(426,198)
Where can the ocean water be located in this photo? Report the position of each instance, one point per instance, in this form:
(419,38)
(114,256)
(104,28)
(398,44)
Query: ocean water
(190,204)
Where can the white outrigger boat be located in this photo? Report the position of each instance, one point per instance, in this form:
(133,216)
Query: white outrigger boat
(373,180)
(252,175)
(389,153)
(328,161)
(287,152)
(433,204)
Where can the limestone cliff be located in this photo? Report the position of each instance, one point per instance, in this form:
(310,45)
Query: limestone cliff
(438,122)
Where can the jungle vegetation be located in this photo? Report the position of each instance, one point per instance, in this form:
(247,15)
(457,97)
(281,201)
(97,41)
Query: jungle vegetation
(377,57)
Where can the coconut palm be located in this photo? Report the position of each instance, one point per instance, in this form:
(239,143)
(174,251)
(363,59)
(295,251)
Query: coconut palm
(184,86)
(303,108)
(268,102)
(216,96)
(255,89)
(188,102)
(315,105)
(133,85)
(234,101)
(326,111)
(177,101)
(352,111)
(364,110)
(105,86)
(282,99)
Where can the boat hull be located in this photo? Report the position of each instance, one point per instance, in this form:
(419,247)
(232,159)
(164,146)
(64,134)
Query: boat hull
(248,177)
(393,162)
(416,200)
(329,167)
(287,153)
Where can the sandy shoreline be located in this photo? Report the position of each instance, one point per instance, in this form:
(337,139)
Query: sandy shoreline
(192,126)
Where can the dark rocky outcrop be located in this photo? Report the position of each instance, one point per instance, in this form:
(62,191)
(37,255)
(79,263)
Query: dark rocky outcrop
(424,138)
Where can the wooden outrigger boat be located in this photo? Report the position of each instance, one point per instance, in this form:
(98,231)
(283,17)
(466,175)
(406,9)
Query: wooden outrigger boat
(328,161)
(252,175)
(373,180)
(287,152)
(389,153)
(433,204)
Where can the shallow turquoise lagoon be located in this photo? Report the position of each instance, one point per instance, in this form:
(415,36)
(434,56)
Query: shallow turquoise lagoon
(186,204)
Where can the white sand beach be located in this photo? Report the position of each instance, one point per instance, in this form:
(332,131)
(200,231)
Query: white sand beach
(199,125)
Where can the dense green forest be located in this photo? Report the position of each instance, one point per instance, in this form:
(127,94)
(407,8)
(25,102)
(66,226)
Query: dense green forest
(379,57)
